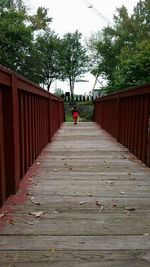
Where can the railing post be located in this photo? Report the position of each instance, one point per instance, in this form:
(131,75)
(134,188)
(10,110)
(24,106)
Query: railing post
(118,119)
(148,141)
(15,126)
(50,120)
(12,145)
(59,113)
(2,164)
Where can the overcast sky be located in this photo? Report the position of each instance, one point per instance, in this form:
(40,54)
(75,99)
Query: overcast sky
(70,15)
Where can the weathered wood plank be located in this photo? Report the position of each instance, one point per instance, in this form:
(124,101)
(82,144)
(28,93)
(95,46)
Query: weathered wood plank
(76,258)
(56,224)
(30,242)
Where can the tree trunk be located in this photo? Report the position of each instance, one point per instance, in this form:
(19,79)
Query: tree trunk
(48,86)
(72,89)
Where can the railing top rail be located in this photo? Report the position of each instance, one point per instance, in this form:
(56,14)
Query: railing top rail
(132,91)
(6,76)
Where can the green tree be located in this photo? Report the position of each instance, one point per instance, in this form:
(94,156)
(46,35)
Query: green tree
(40,21)
(16,36)
(48,47)
(123,49)
(59,92)
(74,61)
(134,66)
(17,30)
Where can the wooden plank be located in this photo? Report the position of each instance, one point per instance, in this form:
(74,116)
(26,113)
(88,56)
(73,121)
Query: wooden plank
(76,258)
(71,205)
(123,242)
(89,224)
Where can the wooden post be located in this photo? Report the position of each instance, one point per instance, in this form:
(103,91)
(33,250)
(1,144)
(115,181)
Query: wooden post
(11,138)
(2,156)
(50,120)
(118,119)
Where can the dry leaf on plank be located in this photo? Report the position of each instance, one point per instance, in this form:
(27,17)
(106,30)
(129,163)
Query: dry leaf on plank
(109,182)
(37,214)
(30,223)
(101,208)
(51,250)
(82,202)
(122,193)
(34,201)
(130,208)
(98,204)
(126,212)
(89,194)
(11,221)
(29,194)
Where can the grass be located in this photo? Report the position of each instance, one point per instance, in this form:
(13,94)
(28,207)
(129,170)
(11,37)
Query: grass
(69,118)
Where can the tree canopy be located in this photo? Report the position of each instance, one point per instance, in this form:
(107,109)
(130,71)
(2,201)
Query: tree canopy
(17,30)
(74,60)
(123,49)
(29,47)
(120,52)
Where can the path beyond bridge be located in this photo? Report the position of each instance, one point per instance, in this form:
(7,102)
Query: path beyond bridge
(84,202)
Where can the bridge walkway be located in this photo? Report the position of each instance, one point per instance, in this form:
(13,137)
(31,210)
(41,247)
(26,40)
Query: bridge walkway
(84,202)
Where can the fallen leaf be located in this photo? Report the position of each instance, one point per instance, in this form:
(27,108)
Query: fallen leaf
(122,193)
(70,168)
(132,178)
(114,206)
(3,214)
(123,157)
(89,194)
(101,208)
(126,212)
(30,223)
(98,204)
(34,201)
(29,194)
(109,182)
(82,202)
(129,173)
(37,214)
(11,221)
(51,250)
(55,170)
(130,208)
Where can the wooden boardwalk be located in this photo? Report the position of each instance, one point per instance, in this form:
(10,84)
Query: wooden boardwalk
(84,203)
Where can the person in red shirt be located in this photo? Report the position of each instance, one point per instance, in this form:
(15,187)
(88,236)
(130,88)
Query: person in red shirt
(75,114)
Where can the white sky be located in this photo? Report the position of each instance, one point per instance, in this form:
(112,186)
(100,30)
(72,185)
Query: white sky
(70,15)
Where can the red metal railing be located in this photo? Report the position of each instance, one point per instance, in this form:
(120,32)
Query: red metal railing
(29,117)
(126,116)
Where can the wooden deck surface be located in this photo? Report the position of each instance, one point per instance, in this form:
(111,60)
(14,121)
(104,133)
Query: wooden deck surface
(95,199)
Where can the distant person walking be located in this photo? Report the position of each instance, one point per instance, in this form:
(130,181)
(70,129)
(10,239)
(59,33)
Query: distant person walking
(75,114)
